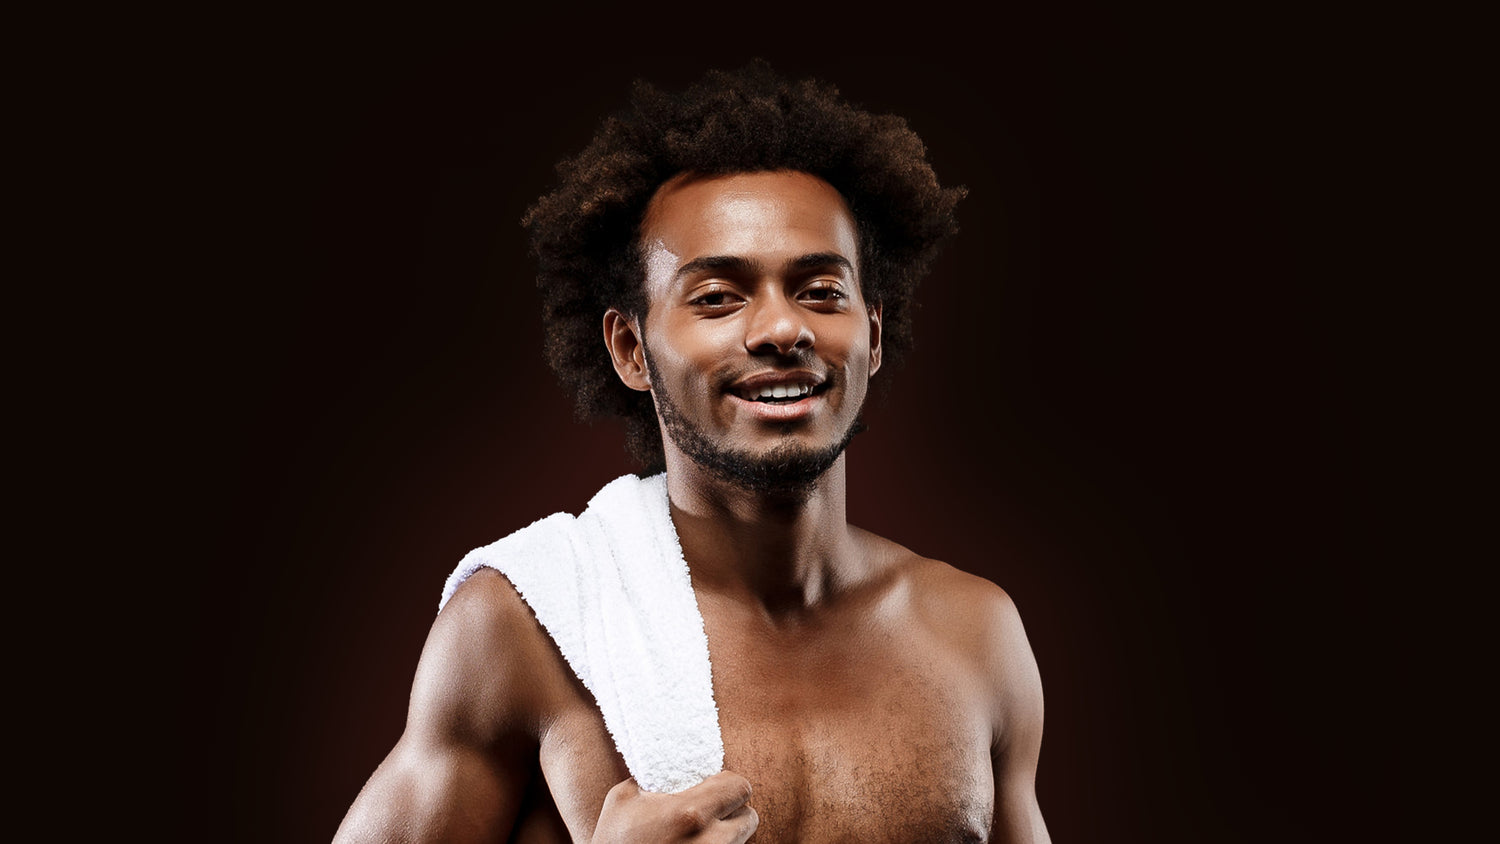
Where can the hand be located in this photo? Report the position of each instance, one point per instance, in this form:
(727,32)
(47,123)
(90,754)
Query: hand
(714,810)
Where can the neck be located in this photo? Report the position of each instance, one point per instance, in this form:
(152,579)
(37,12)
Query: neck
(788,551)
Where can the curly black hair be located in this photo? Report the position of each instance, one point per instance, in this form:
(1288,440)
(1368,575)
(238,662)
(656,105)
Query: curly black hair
(585,233)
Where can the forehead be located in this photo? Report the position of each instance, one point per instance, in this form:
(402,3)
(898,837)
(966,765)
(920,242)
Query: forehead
(769,217)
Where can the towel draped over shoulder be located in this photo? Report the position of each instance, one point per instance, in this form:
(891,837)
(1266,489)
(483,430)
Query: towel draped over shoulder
(612,590)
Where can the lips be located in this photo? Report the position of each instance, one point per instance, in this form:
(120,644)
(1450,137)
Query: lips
(778,387)
(779,396)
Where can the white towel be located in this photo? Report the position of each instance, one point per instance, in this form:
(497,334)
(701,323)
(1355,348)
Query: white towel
(613,591)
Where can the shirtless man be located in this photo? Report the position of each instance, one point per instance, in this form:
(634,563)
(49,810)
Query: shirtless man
(865,693)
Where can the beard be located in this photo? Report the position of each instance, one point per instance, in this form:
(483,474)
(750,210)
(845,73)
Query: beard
(787,469)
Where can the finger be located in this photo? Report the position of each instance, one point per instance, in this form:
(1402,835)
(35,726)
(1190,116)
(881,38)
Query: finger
(739,825)
(719,795)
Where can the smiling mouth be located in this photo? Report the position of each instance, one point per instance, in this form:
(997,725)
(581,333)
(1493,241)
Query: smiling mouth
(781,393)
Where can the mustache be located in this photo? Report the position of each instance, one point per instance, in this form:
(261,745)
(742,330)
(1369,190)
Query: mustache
(725,379)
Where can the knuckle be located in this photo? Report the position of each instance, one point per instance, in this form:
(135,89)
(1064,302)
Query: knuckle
(749,821)
(739,786)
(689,821)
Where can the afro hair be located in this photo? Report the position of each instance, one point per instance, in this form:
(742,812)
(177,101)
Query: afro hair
(585,233)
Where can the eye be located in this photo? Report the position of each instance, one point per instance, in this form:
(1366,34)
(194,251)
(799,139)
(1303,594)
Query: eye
(714,299)
(824,293)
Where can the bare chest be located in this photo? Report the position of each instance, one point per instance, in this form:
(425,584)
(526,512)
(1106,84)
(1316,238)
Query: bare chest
(880,736)
(902,762)
(870,743)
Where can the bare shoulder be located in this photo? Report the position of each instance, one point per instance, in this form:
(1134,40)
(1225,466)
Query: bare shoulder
(460,768)
(486,609)
(969,599)
(482,662)
(970,617)
(946,596)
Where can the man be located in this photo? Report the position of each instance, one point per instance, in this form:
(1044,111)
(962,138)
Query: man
(750,247)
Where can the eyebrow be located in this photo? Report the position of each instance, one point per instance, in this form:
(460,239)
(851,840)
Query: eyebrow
(739,265)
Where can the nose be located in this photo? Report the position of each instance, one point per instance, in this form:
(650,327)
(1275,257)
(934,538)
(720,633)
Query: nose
(777,325)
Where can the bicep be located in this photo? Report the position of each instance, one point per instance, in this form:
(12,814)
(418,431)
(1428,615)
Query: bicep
(1018,815)
(460,769)
(1018,734)
(428,792)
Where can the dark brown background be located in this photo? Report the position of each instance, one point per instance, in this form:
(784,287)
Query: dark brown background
(1132,402)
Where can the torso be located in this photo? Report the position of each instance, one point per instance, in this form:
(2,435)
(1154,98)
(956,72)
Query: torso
(868,721)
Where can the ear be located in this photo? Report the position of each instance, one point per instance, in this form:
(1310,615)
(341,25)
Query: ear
(874,314)
(622,338)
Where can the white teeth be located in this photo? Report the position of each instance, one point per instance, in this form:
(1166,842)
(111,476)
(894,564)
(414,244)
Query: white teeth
(781,391)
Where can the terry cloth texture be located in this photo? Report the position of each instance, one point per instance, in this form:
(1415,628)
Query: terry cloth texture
(612,590)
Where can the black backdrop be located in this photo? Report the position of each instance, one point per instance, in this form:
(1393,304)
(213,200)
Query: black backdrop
(1130,403)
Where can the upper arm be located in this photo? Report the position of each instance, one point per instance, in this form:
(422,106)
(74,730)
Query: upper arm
(1018,726)
(459,770)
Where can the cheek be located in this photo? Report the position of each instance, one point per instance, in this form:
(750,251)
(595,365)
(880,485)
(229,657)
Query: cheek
(847,346)
(687,355)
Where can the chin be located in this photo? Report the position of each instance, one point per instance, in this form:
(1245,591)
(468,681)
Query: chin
(790,467)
